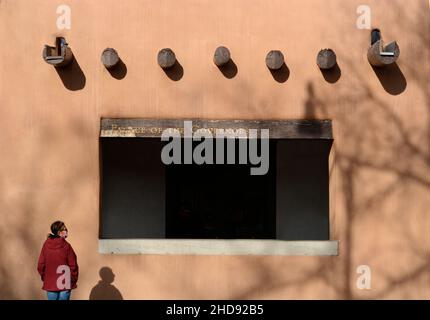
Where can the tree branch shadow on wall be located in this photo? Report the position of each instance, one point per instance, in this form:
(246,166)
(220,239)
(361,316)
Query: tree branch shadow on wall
(339,275)
(397,155)
(104,289)
(327,269)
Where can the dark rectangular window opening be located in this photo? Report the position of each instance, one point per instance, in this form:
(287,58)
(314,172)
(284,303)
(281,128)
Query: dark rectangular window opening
(221,201)
(143,198)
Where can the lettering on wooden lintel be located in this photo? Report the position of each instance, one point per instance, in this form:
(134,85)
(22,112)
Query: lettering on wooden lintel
(279,129)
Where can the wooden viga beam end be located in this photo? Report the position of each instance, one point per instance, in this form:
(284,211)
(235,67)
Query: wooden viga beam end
(221,56)
(166,58)
(274,59)
(326,59)
(109,58)
(60,55)
(379,54)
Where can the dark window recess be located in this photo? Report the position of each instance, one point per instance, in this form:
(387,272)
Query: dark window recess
(143,198)
(302,189)
(133,189)
(221,200)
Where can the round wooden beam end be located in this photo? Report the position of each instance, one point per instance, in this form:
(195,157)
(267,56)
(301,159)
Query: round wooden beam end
(166,58)
(274,59)
(221,56)
(326,59)
(109,58)
(378,58)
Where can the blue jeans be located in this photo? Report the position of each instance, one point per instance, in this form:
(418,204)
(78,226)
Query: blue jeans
(59,295)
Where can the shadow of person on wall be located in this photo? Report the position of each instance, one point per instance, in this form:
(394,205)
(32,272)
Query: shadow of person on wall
(104,290)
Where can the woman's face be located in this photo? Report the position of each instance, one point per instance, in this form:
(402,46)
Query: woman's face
(63,232)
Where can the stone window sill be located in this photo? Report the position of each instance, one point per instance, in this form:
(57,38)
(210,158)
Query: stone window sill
(219,247)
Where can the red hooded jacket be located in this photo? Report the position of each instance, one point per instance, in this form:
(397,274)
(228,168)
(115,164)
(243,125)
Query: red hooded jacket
(56,252)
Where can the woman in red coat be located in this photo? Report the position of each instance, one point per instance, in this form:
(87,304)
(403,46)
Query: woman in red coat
(58,266)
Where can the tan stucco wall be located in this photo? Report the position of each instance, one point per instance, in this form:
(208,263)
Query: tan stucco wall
(380,163)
